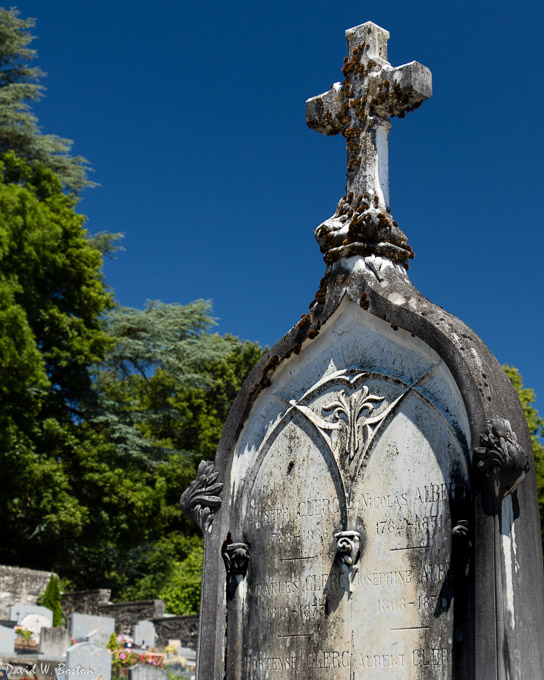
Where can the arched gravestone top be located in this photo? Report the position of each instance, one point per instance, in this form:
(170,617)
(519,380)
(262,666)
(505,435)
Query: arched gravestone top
(372,510)
(87,660)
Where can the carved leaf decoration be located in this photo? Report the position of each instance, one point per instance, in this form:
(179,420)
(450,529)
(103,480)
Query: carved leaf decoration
(500,451)
(201,500)
(349,410)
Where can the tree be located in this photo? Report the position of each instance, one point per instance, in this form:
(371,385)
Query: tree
(19,89)
(536,429)
(52,298)
(51,599)
(163,393)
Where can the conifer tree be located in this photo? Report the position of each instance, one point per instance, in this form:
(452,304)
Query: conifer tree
(19,89)
(51,600)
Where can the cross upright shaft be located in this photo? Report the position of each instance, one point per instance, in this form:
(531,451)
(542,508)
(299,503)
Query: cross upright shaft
(359,109)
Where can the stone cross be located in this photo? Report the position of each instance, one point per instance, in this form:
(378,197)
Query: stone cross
(360,108)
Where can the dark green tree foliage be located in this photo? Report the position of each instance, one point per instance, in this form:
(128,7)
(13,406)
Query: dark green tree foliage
(51,600)
(162,396)
(19,89)
(52,296)
(536,428)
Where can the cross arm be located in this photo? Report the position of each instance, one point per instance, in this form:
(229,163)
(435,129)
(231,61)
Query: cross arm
(324,112)
(404,89)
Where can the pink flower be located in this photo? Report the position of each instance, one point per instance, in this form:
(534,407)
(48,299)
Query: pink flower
(123,656)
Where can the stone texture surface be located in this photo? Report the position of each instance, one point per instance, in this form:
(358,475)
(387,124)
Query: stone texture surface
(127,614)
(379,449)
(54,642)
(85,601)
(20,585)
(144,634)
(183,628)
(147,672)
(82,625)
(7,640)
(87,660)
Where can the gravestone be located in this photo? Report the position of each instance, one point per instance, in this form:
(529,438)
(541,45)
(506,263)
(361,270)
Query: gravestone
(7,640)
(144,634)
(372,510)
(18,612)
(87,660)
(35,623)
(147,671)
(83,625)
(54,642)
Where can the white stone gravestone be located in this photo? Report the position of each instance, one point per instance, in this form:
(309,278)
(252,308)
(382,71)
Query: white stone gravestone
(86,660)
(54,642)
(18,612)
(371,512)
(144,634)
(7,640)
(35,623)
(83,625)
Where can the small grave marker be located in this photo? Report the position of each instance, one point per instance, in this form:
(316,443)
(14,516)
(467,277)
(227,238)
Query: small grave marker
(83,625)
(144,634)
(86,660)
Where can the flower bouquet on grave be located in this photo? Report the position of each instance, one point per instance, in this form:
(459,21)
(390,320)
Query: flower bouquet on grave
(24,634)
(25,640)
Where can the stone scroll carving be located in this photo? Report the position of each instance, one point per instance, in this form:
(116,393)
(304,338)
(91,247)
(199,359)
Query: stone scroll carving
(201,500)
(501,457)
(348,549)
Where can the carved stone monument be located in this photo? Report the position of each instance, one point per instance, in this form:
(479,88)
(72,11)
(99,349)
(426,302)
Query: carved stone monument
(371,512)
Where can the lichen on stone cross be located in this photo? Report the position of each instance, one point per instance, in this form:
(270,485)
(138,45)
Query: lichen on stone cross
(359,109)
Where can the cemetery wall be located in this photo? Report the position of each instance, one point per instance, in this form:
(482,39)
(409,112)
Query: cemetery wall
(127,614)
(19,585)
(85,601)
(183,628)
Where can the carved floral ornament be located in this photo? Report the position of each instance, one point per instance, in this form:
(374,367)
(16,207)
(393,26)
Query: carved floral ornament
(501,454)
(353,412)
(201,500)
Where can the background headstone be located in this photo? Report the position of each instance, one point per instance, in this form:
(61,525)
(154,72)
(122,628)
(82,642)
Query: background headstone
(144,634)
(7,640)
(17,612)
(91,660)
(54,642)
(82,625)
(35,623)
(146,671)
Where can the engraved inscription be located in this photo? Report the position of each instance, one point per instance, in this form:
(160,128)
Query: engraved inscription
(351,574)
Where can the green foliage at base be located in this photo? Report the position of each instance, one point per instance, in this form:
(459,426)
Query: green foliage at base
(51,600)
(536,428)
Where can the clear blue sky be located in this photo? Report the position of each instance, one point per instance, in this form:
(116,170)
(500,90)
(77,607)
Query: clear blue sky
(192,115)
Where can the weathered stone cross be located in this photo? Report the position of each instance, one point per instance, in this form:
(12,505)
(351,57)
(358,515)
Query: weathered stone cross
(360,108)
